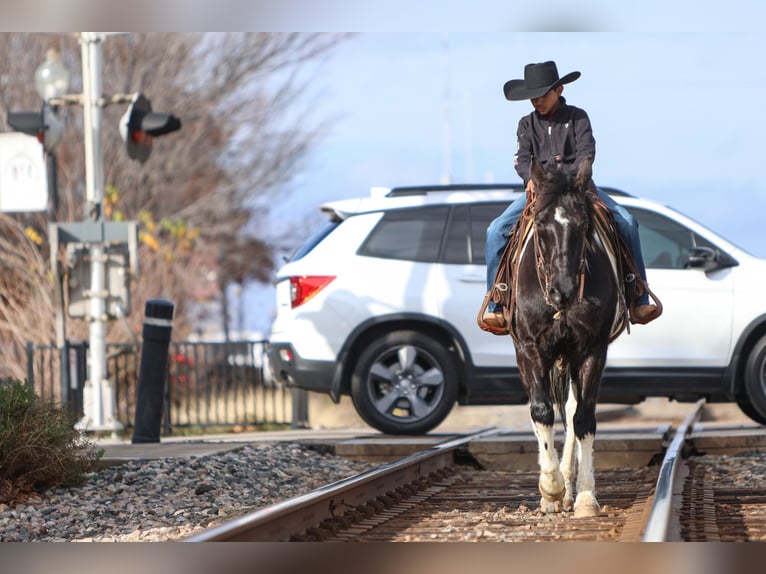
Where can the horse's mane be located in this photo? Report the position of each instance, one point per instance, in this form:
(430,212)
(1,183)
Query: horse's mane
(556,185)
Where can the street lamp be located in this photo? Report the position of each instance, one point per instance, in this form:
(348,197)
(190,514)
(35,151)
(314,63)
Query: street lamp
(51,77)
(52,81)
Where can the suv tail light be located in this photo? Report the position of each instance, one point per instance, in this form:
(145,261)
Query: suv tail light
(304,287)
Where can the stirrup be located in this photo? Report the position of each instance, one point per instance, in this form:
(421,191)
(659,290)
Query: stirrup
(483,324)
(644,320)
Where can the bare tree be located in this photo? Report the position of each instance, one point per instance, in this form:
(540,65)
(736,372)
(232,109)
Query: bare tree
(244,136)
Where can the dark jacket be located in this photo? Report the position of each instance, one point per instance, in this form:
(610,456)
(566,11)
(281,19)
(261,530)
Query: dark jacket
(567,134)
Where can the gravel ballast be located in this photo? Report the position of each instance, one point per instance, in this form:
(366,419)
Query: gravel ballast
(172,498)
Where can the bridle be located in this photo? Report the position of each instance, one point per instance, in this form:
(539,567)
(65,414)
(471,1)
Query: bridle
(541,265)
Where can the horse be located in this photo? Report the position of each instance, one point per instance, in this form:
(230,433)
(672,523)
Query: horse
(566,311)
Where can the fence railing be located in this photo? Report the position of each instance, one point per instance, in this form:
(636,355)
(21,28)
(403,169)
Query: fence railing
(208,384)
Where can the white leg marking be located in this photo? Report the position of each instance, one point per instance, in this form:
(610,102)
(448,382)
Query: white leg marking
(551,482)
(586,503)
(568,454)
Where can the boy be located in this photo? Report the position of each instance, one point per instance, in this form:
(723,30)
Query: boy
(558,132)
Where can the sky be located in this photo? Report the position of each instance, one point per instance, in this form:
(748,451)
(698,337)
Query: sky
(672,88)
(675,117)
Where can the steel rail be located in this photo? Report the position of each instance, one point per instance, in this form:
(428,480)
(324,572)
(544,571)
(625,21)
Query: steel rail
(277,522)
(658,523)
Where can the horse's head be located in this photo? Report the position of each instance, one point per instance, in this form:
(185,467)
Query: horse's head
(561,227)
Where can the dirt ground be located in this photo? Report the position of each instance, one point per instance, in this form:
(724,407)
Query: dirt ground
(325,414)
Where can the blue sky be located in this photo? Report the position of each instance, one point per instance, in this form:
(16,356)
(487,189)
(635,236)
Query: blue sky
(675,115)
(673,89)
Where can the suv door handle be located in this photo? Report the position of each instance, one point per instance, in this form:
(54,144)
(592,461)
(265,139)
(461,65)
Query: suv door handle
(472,279)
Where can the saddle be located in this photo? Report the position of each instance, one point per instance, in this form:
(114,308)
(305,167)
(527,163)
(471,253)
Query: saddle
(502,292)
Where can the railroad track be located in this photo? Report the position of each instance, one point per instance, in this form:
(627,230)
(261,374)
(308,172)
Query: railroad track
(656,485)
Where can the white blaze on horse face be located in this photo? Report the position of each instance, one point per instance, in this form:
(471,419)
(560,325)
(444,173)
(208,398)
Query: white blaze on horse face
(561,216)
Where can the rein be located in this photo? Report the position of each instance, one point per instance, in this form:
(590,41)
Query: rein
(541,266)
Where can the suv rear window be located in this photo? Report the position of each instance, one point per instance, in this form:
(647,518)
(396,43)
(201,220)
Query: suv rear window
(409,234)
(431,234)
(314,239)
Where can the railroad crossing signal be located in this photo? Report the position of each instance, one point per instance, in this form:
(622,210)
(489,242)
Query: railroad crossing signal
(44,125)
(140,124)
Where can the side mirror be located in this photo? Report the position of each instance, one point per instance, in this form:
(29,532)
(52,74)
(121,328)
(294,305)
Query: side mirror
(700,258)
(708,259)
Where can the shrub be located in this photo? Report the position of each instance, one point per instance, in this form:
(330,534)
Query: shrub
(39,446)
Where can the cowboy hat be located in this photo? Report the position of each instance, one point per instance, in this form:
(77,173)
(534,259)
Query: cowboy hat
(538,80)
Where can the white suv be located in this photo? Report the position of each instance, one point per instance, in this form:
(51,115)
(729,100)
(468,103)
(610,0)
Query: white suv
(380,303)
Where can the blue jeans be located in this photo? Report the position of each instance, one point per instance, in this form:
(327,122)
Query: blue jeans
(500,229)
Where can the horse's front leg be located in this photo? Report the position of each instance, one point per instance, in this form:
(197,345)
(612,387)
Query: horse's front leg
(551,481)
(535,376)
(568,453)
(584,423)
(586,503)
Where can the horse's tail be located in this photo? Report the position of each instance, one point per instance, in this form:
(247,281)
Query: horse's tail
(560,387)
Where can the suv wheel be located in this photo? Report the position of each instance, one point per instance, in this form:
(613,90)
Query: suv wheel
(404,383)
(753,404)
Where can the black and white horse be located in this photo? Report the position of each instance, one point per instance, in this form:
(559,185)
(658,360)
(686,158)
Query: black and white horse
(566,307)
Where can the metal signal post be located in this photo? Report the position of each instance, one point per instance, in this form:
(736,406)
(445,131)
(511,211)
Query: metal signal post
(98,394)
(96,248)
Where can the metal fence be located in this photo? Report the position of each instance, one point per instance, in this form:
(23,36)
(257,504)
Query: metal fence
(208,384)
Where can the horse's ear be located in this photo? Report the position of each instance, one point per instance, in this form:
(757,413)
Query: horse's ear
(584,173)
(536,172)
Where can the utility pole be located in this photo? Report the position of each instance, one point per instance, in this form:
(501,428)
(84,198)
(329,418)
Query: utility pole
(446,177)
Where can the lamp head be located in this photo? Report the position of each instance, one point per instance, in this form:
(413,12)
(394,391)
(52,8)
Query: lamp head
(51,77)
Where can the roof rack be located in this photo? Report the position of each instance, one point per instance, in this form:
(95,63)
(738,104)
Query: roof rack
(423,189)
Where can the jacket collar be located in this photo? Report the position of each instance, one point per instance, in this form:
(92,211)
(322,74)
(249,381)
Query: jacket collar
(559,115)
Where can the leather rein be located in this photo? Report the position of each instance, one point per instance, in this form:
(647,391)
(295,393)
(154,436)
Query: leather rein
(541,265)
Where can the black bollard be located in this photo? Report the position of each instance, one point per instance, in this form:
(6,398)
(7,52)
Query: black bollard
(158,326)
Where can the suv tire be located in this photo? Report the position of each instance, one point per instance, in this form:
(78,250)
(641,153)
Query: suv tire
(753,404)
(404,382)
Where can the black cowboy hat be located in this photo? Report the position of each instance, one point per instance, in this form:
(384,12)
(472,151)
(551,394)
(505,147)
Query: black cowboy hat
(538,80)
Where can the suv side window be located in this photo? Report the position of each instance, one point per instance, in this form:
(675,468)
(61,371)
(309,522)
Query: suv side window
(665,244)
(467,233)
(410,234)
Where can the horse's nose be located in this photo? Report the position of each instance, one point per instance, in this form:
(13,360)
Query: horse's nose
(555,296)
(559,297)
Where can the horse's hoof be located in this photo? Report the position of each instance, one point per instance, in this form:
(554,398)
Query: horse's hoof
(549,507)
(567,504)
(552,496)
(586,506)
(551,486)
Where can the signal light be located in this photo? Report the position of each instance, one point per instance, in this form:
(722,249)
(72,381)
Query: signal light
(44,125)
(140,124)
(30,123)
(304,287)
